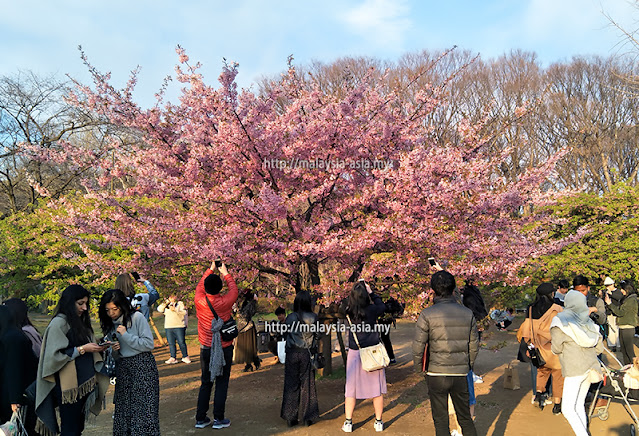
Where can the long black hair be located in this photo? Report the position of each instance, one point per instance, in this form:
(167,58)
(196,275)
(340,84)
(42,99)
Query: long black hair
(302,302)
(358,301)
(81,331)
(118,298)
(7,321)
(20,311)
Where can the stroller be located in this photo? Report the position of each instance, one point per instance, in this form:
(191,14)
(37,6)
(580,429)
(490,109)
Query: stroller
(620,384)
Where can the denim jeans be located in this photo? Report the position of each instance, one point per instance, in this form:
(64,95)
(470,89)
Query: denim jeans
(177,334)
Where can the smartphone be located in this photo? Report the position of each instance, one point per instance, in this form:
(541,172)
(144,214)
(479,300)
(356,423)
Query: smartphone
(103,342)
(136,276)
(432,261)
(218,263)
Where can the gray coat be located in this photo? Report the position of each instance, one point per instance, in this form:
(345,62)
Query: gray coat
(450,331)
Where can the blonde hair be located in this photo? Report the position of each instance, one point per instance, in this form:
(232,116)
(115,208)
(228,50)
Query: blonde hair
(124,282)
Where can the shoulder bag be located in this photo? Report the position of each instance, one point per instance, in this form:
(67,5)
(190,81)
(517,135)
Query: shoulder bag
(229,328)
(318,361)
(533,352)
(374,357)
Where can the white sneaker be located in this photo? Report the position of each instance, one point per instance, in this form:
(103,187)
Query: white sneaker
(171,361)
(379,425)
(347,427)
(477,379)
(455,433)
(186,359)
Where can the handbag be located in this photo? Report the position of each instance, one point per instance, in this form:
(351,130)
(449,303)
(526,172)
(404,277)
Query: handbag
(374,357)
(533,352)
(229,329)
(317,359)
(14,426)
(281,351)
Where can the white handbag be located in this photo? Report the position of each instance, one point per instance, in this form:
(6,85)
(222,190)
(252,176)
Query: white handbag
(374,357)
(281,351)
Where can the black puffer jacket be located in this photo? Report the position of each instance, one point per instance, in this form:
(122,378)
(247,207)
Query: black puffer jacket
(450,331)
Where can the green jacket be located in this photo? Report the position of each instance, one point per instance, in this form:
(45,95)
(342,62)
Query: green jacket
(626,313)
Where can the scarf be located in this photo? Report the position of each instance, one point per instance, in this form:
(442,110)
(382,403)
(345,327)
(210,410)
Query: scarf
(75,383)
(217,362)
(575,321)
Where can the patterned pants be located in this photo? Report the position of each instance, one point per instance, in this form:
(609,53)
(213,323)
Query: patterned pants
(300,394)
(137,397)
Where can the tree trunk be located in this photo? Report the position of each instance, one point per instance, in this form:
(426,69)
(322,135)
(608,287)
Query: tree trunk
(307,275)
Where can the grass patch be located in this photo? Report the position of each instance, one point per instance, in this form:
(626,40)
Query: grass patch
(339,373)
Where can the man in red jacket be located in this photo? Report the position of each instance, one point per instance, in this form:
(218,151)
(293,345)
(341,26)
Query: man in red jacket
(209,289)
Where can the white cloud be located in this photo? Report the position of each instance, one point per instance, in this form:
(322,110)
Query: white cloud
(382,22)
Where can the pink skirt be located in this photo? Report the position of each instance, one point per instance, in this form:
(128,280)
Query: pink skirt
(362,384)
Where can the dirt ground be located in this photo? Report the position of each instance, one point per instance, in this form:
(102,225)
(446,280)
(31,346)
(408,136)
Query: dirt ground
(254,398)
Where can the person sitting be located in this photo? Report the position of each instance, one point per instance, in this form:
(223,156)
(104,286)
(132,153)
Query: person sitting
(503,318)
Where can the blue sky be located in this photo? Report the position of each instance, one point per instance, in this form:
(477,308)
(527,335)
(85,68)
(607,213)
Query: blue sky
(43,36)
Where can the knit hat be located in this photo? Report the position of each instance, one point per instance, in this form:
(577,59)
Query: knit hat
(608,281)
(545,289)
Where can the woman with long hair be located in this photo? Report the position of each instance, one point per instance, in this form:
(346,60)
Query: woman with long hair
(137,391)
(299,374)
(69,369)
(363,309)
(626,312)
(577,342)
(139,300)
(18,369)
(20,311)
(246,343)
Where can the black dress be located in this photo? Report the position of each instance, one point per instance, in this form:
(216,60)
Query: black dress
(246,343)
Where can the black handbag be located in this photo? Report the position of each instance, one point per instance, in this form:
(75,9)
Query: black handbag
(317,359)
(533,352)
(229,329)
(535,357)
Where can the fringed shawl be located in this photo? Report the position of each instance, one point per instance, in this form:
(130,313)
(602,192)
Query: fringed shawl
(54,360)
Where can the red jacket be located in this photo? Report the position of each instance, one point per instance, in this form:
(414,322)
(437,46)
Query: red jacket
(221,303)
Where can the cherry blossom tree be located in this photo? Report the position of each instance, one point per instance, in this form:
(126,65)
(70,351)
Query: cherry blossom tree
(310,188)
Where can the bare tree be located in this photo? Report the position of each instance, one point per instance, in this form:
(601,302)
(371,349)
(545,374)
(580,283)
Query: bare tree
(33,110)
